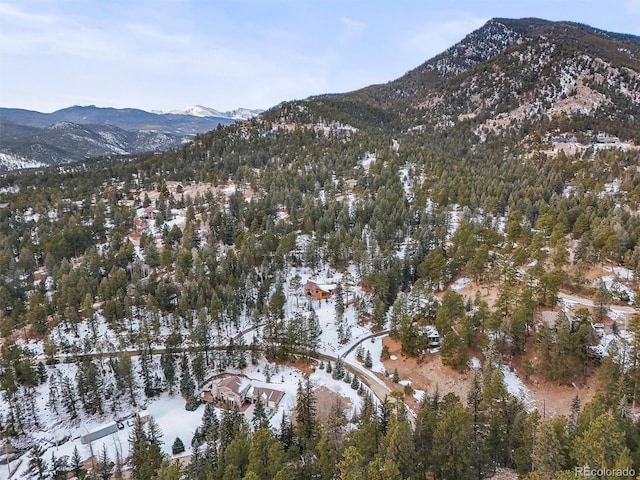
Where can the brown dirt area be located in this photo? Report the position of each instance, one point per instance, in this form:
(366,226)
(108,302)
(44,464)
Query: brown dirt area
(432,375)
(325,401)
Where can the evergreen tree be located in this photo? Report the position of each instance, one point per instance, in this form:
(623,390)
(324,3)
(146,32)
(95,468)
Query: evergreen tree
(266,455)
(177,447)
(286,434)
(368,362)
(399,455)
(77,465)
(187,386)
(547,455)
(210,423)
(37,467)
(58,467)
(90,385)
(146,456)
(259,419)
(168,364)
(338,371)
(69,398)
(602,445)
(305,413)
(352,465)
(105,465)
(450,443)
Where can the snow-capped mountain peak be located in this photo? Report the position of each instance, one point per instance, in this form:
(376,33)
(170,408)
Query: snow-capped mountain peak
(200,111)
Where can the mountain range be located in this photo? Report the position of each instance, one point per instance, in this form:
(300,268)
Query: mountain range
(30,139)
(529,77)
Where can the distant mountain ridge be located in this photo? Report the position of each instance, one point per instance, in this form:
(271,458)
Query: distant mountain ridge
(125,118)
(63,142)
(31,139)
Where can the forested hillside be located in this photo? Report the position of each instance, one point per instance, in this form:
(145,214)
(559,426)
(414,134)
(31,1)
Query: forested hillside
(482,213)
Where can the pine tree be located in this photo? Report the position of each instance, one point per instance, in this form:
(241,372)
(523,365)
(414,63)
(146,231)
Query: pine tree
(210,423)
(90,387)
(105,465)
(168,364)
(54,393)
(286,435)
(266,455)
(259,419)
(450,443)
(199,368)
(399,455)
(177,447)
(145,360)
(151,255)
(59,467)
(352,464)
(37,467)
(368,362)
(337,372)
(69,398)
(187,386)
(146,456)
(602,445)
(547,455)
(76,464)
(305,412)
(125,378)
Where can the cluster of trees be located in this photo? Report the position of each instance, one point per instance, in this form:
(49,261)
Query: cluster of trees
(67,262)
(449,438)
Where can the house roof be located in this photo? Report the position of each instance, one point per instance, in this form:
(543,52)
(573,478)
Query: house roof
(232,383)
(326,287)
(268,394)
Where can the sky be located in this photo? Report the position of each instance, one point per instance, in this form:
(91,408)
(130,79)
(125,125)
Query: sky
(169,54)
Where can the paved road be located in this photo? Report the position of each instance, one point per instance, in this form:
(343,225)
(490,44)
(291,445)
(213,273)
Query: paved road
(588,302)
(378,387)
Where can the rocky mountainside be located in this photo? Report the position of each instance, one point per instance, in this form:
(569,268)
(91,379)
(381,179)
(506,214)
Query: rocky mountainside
(525,76)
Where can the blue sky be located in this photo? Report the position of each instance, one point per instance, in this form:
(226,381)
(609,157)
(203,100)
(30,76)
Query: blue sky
(168,54)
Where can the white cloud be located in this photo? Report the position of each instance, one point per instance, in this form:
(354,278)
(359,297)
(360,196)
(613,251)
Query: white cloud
(11,12)
(352,28)
(153,33)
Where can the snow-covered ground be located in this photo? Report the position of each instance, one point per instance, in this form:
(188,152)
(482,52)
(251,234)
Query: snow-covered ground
(515,386)
(460,283)
(617,288)
(374,347)
(169,413)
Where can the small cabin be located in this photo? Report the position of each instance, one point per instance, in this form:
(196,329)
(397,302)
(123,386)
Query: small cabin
(318,291)
(433,336)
